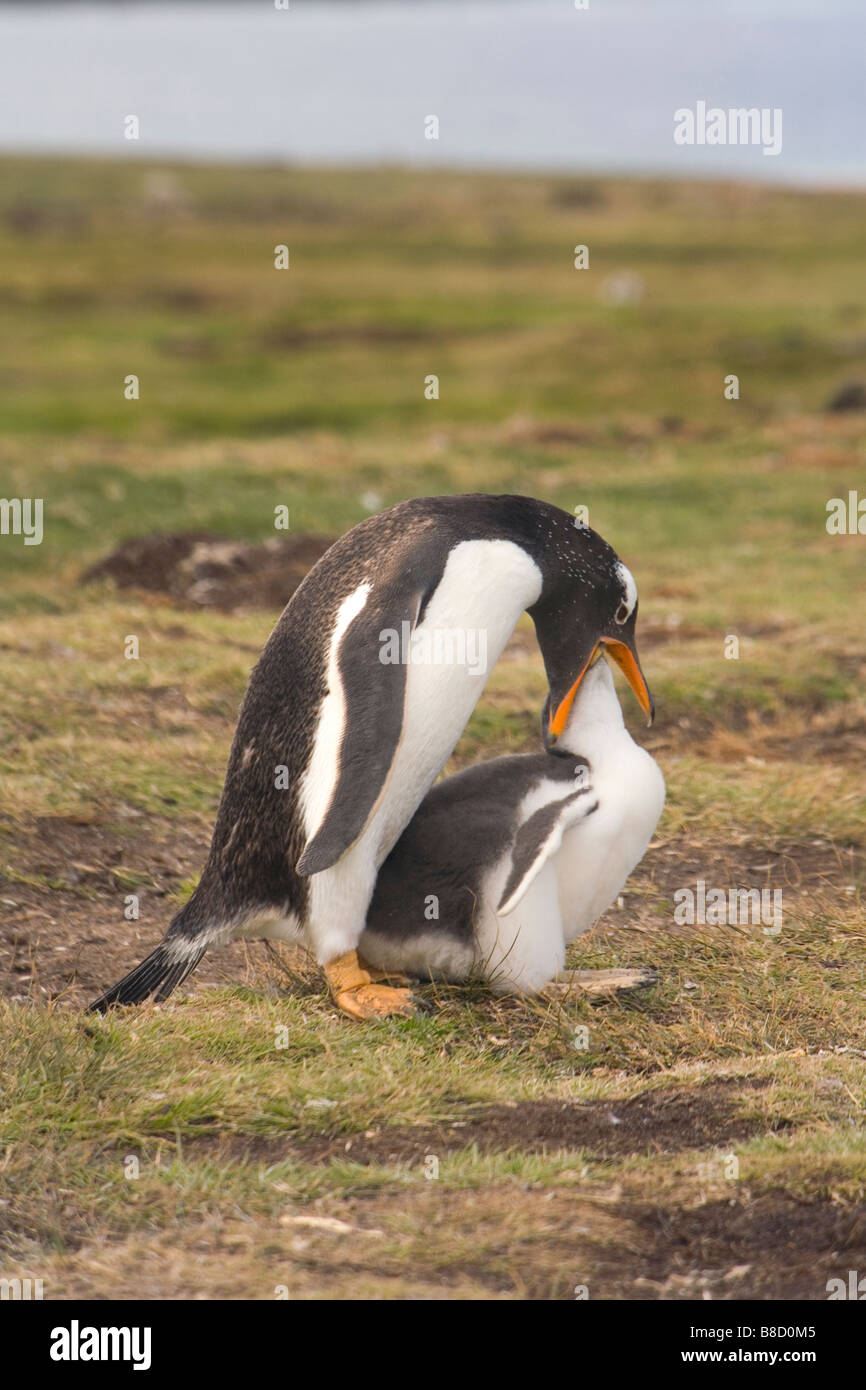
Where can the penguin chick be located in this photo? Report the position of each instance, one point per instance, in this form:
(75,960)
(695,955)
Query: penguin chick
(508,861)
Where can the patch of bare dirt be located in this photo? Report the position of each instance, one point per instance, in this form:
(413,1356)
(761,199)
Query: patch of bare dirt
(773,1247)
(833,741)
(543,1244)
(203,570)
(817,864)
(68,938)
(652,1123)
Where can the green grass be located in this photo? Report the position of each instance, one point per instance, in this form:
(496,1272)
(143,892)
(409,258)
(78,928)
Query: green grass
(388,284)
(305,388)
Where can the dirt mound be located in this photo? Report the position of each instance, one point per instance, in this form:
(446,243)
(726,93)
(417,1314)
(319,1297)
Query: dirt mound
(851,396)
(204,570)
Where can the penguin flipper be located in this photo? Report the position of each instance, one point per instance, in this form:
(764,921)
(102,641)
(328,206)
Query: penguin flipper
(537,839)
(372,672)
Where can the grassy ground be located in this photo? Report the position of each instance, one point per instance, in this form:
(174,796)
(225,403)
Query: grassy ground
(242,1139)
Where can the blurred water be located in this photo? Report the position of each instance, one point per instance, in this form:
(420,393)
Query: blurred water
(527,85)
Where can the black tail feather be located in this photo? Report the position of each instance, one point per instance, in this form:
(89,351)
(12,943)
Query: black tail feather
(160,973)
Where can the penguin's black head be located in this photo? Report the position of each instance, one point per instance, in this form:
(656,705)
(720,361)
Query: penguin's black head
(588,599)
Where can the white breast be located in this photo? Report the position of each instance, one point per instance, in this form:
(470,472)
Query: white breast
(485,587)
(598,855)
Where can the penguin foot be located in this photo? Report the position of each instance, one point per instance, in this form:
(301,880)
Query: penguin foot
(358,989)
(600,983)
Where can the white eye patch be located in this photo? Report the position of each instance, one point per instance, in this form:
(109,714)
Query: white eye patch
(629,598)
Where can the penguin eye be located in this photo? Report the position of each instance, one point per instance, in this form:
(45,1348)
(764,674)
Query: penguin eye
(621,613)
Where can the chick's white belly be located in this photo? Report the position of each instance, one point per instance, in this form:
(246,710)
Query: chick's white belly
(524,950)
(598,854)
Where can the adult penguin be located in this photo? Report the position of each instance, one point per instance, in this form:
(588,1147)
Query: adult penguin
(355,705)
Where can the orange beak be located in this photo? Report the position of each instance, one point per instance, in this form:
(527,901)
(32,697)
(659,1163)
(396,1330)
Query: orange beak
(627,663)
